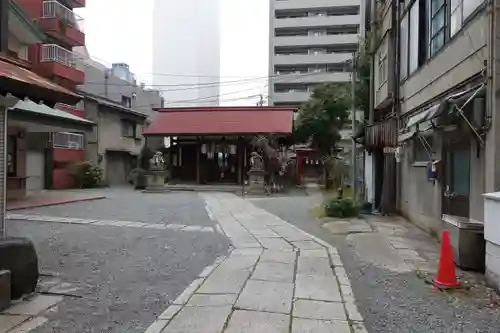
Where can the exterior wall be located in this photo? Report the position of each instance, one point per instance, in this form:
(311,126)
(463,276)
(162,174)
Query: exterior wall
(110,133)
(61,177)
(92,138)
(461,58)
(14,190)
(100,82)
(384,53)
(303,81)
(420,198)
(456,62)
(19,47)
(107,134)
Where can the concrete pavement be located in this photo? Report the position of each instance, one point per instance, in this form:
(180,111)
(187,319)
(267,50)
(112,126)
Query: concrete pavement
(388,261)
(277,279)
(112,265)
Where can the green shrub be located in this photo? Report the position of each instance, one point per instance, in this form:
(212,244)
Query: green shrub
(341,207)
(144,157)
(140,179)
(87,175)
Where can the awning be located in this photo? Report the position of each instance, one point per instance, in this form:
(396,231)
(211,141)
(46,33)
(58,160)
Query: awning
(437,109)
(222,121)
(426,115)
(406,136)
(22,83)
(42,118)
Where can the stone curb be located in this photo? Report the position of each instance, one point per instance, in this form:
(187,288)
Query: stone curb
(98,197)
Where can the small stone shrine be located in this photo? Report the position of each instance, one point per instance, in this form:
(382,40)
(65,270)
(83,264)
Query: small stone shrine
(156,176)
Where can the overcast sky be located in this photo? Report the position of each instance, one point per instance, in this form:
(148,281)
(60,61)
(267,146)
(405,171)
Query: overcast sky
(120,31)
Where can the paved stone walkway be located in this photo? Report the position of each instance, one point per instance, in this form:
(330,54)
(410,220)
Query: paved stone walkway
(109,223)
(278,279)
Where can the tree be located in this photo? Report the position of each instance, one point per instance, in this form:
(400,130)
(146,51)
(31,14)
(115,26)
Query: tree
(322,117)
(362,68)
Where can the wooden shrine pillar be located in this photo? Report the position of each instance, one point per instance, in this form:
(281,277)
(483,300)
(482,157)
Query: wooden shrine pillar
(198,153)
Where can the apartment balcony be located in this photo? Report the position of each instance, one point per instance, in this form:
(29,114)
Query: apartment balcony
(74,3)
(311,77)
(318,21)
(313,4)
(310,59)
(62,23)
(316,40)
(56,61)
(297,97)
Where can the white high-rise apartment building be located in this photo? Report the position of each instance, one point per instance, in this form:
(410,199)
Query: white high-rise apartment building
(186,51)
(311,42)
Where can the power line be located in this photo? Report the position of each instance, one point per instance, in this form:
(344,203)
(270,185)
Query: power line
(215,83)
(196,101)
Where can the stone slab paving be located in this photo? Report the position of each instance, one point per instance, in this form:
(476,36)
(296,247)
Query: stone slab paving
(277,279)
(106,223)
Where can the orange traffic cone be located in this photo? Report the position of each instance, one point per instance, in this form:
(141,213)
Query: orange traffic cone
(446,278)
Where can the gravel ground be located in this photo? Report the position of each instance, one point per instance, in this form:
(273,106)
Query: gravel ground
(128,205)
(389,301)
(126,276)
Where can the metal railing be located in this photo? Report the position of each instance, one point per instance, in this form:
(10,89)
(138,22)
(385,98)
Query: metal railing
(53,52)
(54,9)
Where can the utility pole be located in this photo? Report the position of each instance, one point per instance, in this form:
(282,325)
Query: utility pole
(353,125)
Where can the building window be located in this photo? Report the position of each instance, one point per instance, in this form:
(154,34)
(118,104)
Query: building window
(67,140)
(413,52)
(317,32)
(382,68)
(437,25)
(127,101)
(11,155)
(128,129)
(422,151)
(459,11)
(403,70)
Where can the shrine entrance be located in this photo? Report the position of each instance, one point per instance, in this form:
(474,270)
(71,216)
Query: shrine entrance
(221,162)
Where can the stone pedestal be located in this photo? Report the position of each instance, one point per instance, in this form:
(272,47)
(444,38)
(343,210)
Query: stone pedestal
(256,182)
(156,181)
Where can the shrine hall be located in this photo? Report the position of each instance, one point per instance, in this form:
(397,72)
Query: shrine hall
(210,145)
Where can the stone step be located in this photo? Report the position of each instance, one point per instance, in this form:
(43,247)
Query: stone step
(4,289)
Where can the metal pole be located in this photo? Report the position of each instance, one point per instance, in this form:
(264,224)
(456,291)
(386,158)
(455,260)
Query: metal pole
(353,125)
(4,47)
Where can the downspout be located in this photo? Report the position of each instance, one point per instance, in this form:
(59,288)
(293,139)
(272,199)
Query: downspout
(373,29)
(396,97)
(490,66)
(491,183)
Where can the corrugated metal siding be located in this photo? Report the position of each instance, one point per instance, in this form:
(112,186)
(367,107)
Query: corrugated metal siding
(382,134)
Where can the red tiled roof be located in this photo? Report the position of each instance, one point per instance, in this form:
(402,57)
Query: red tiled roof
(22,82)
(222,120)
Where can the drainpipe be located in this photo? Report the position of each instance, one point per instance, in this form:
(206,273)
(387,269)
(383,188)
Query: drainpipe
(396,98)
(491,174)
(4,47)
(373,27)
